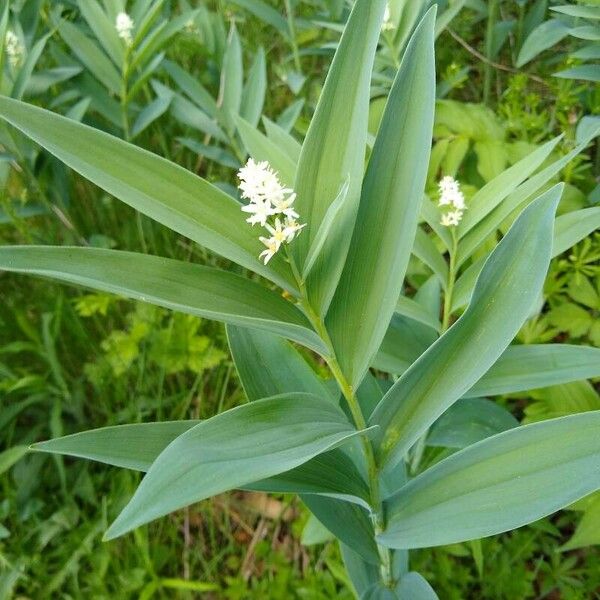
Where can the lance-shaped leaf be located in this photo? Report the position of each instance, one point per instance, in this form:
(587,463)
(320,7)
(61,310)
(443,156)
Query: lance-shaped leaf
(233,449)
(160,189)
(504,482)
(138,445)
(389,209)
(268,365)
(335,147)
(174,284)
(506,291)
(534,366)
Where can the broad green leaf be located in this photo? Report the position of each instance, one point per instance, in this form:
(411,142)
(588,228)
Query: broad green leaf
(255,89)
(88,52)
(587,12)
(523,368)
(334,149)
(541,38)
(426,251)
(138,445)
(348,522)
(504,482)
(268,365)
(150,113)
(380,592)
(104,30)
(588,530)
(233,449)
(470,420)
(506,291)
(389,210)
(260,148)
(192,88)
(493,193)
(586,32)
(314,532)
(134,446)
(562,400)
(363,574)
(232,74)
(160,189)
(189,288)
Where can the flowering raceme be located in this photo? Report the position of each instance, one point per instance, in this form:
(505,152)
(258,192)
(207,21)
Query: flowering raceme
(124,26)
(453,198)
(270,205)
(14,48)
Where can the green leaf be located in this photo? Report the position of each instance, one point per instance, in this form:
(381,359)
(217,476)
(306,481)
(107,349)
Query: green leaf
(283,140)
(189,288)
(255,89)
(414,586)
(587,12)
(233,449)
(389,210)
(584,72)
(572,227)
(104,30)
(331,216)
(268,365)
(504,482)
(11,456)
(88,52)
(588,530)
(426,251)
(506,291)
(523,368)
(493,193)
(470,420)
(541,38)
(138,445)
(133,446)
(413,310)
(150,113)
(348,522)
(260,148)
(160,189)
(26,70)
(362,573)
(265,13)
(232,74)
(192,88)
(335,148)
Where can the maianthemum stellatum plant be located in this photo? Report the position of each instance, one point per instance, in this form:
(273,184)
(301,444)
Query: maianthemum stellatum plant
(331,242)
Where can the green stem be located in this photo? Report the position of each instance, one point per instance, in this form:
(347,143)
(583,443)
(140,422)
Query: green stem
(448,296)
(124,96)
(377,515)
(292,32)
(489,39)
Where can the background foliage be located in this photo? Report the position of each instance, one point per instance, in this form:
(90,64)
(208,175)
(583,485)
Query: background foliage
(70,360)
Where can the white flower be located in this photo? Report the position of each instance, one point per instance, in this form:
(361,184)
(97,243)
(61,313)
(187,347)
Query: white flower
(260,212)
(269,198)
(452,218)
(14,48)
(272,248)
(292,228)
(388,25)
(124,27)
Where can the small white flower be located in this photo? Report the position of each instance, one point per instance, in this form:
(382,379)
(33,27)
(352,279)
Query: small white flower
(14,48)
(292,228)
(278,233)
(259,212)
(124,27)
(452,218)
(284,206)
(271,250)
(258,182)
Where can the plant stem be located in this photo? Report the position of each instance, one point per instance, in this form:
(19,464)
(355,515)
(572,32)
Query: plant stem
(377,514)
(292,32)
(450,286)
(489,40)
(124,96)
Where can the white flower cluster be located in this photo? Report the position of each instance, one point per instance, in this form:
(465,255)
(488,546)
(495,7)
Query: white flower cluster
(124,27)
(270,205)
(14,48)
(453,198)
(388,25)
